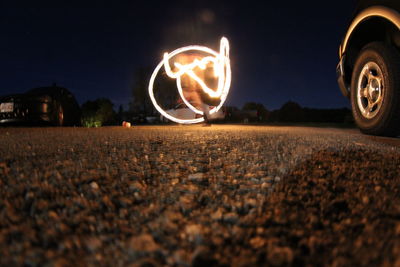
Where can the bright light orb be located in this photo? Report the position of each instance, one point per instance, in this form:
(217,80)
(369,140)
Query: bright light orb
(222,71)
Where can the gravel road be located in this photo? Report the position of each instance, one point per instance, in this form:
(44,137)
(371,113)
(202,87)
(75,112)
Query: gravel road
(197,196)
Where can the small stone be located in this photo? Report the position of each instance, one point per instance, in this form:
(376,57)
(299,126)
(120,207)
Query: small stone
(198,178)
(265,185)
(143,243)
(175,181)
(192,189)
(53,215)
(193,229)
(94,185)
(231,217)
(217,241)
(257,242)
(251,202)
(187,203)
(136,186)
(194,233)
(138,197)
(93,244)
(217,215)
(268,179)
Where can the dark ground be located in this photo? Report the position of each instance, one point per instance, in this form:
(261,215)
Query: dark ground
(190,195)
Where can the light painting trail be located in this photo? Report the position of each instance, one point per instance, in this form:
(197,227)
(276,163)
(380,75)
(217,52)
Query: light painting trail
(221,68)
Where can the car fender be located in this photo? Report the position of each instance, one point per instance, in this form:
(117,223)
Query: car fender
(375,11)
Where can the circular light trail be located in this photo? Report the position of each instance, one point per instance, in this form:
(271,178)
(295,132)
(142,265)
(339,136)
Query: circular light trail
(222,71)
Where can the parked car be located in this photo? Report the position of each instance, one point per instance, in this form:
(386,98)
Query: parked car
(181,111)
(369,68)
(52,105)
(152,119)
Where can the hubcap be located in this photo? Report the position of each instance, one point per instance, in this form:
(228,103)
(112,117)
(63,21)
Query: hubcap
(370,90)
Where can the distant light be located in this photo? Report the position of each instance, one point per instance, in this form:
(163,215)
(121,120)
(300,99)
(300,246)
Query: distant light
(222,71)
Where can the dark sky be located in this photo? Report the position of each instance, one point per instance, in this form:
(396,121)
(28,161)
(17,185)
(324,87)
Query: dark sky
(280,51)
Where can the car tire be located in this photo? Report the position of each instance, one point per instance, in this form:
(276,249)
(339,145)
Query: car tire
(375,90)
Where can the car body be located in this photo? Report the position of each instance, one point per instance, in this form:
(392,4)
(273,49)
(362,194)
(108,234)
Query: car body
(152,119)
(181,111)
(52,105)
(368,72)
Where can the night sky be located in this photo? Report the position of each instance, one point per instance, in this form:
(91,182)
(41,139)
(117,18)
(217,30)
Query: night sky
(279,51)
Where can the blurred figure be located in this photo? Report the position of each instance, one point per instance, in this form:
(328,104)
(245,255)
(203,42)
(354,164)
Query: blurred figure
(192,90)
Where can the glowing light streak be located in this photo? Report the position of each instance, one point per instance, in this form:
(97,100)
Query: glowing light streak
(222,71)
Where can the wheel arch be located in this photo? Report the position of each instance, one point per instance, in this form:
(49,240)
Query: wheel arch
(376,23)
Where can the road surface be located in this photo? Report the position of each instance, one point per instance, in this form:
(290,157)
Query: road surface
(226,195)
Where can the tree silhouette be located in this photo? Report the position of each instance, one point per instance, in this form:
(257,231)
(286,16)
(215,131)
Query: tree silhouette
(262,112)
(165,92)
(291,112)
(97,113)
(141,99)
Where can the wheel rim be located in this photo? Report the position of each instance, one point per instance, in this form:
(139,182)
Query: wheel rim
(370,90)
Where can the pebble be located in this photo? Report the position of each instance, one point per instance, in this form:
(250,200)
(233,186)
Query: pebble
(94,185)
(93,244)
(143,243)
(265,185)
(257,242)
(198,178)
(217,215)
(230,217)
(194,233)
(136,186)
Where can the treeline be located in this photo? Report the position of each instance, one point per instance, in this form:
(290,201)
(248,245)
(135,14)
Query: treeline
(293,112)
(290,112)
(101,112)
